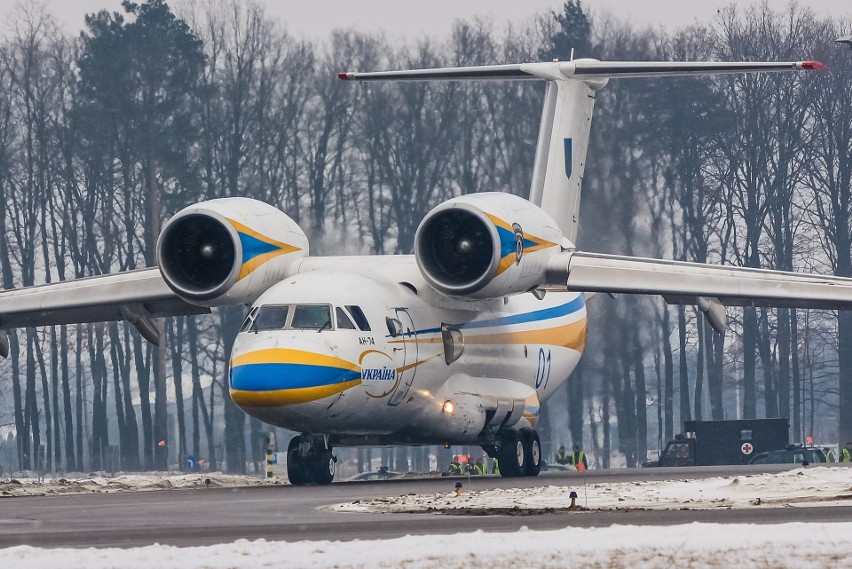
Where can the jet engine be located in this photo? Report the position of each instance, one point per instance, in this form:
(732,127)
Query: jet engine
(486,245)
(228,250)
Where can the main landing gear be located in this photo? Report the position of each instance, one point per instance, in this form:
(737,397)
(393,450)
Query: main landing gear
(518,452)
(310,461)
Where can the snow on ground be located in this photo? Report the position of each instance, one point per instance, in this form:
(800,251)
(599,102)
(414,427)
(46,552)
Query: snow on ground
(801,486)
(792,545)
(81,484)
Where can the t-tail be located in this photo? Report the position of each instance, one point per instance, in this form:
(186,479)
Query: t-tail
(566,118)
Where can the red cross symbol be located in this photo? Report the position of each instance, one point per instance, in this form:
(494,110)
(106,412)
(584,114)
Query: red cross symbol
(747,448)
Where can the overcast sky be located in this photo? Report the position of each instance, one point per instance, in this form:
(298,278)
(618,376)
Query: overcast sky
(314,19)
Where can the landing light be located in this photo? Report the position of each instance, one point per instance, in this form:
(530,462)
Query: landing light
(449,407)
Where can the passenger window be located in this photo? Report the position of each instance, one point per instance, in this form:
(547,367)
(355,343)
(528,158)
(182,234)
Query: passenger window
(311,317)
(746,435)
(343,321)
(270,318)
(358,316)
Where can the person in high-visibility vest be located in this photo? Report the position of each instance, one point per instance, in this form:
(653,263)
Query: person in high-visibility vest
(455,466)
(829,454)
(578,459)
(846,452)
(562,456)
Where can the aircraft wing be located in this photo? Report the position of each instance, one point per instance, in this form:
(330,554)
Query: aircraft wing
(136,296)
(711,287)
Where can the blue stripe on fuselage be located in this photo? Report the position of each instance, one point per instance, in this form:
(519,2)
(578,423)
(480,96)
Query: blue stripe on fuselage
(534,316)
(273,376)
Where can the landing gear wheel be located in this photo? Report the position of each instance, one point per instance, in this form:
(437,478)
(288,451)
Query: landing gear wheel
(511,454)
(297,468)
(324,467)
(532,452)
(309,462)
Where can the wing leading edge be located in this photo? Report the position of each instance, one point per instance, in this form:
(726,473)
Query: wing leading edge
(136,296)
(711,287)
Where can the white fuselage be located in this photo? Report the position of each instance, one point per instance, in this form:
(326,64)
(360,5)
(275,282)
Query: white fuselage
(389,383)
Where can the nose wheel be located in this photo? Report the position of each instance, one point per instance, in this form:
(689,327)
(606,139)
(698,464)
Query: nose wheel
(309,461)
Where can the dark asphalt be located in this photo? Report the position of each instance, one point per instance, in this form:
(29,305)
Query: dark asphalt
(220,515)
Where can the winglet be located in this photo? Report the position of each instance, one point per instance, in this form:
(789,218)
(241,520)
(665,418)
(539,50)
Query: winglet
(815,65)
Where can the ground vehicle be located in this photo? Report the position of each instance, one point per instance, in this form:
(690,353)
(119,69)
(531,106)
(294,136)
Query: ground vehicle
(791,454)
(709,443)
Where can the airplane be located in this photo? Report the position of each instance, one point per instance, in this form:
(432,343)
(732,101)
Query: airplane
(459,343)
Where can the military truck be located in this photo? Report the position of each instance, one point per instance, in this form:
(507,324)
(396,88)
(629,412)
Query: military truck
(709,443)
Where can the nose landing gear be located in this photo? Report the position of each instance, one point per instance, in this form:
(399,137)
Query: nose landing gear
(310,461)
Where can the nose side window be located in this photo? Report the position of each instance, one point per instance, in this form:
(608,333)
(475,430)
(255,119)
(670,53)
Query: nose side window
(343,321)
(358,316)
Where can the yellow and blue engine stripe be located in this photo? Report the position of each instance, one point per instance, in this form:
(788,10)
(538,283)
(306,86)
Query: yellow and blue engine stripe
(257,248)
(509,243)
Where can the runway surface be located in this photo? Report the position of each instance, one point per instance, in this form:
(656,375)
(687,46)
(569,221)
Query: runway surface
(219,515)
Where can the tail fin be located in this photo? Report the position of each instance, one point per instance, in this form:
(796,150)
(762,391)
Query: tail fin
(563,137)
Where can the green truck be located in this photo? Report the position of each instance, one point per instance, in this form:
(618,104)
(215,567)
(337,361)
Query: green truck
(710,443)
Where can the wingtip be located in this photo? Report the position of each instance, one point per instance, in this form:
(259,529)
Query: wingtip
(343,76)
(813,65)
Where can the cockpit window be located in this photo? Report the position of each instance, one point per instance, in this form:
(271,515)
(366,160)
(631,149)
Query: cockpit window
(270,318)
(249,320)
(359,317)
(311,317)
(343,321)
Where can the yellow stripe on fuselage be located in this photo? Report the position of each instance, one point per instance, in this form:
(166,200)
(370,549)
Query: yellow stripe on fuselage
(571,336)
(287,356)
(281,397)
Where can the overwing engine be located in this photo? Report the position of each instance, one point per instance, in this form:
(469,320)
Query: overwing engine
(486,245)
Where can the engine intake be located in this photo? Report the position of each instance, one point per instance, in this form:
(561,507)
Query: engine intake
(456,248)
(198,252)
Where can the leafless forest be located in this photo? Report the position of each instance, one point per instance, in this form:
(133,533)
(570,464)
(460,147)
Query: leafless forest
(106,133)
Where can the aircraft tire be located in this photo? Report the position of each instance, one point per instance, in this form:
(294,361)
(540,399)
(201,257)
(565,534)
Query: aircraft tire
(532,452)
(297,472)
(324,467)
(512,454)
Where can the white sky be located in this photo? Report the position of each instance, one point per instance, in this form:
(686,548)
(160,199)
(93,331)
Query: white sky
(314,19)
(791,545)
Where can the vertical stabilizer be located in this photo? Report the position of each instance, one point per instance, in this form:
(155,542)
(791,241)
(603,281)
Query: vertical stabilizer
(560,159)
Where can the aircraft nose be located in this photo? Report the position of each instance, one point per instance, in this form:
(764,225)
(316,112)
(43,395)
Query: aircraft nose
(299,373)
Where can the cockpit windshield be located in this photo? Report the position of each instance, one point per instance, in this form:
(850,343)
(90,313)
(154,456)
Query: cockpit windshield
(271,318)
(311,317)
(289,317)
(318,317)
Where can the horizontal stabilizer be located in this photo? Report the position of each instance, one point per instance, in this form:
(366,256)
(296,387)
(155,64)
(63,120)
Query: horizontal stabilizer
(583,69)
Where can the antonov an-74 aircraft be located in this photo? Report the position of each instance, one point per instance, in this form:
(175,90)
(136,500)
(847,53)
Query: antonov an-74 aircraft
(459,343)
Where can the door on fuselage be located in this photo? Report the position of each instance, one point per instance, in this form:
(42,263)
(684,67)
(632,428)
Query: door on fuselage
(406,357)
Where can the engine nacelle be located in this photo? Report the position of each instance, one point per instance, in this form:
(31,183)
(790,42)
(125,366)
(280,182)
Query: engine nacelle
(486,245)
(228,251)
